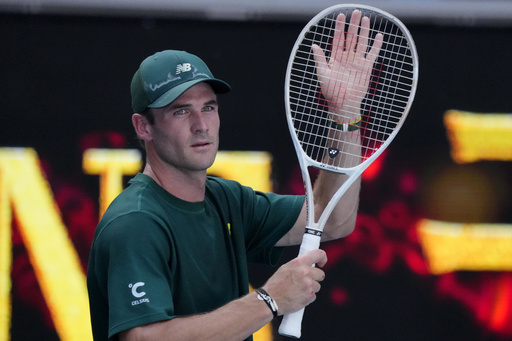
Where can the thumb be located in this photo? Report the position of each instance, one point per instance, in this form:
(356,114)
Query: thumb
(319,56)
(316,257)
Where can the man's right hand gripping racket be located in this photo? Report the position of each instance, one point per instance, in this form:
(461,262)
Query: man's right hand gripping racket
(350,83)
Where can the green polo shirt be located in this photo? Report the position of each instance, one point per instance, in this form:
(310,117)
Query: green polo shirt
(155,256)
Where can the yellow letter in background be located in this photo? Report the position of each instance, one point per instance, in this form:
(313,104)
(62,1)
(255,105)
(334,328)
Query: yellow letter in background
(472,247)
(452,246)
(5,257)
(111,165)
(51,252)
(479,136)
(250,168)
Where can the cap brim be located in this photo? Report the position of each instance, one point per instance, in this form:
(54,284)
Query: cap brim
(218,86)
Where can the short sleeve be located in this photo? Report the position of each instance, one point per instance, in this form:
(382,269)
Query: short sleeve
(273,216)
(135,270)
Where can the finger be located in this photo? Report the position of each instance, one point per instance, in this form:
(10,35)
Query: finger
(319,57)
(351,38)
(322,262)
(317,287)
(362,44)
(375,50)
(338,40)
(317,274)
(314,257)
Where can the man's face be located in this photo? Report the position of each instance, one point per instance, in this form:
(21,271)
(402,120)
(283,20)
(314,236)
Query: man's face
(186,132)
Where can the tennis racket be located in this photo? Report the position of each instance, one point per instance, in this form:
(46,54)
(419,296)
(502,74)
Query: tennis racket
(350,82)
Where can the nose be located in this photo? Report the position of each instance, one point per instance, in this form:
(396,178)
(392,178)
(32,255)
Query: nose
(199,123)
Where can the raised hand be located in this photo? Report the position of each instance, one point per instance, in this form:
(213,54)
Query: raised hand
(345,77)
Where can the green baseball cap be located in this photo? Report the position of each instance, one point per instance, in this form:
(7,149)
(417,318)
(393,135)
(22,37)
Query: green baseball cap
(164,76)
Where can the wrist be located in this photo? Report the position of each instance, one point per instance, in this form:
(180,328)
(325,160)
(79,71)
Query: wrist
(262,295)
(344,126)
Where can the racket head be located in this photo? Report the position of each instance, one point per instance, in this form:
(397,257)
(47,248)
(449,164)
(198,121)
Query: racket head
(386,103)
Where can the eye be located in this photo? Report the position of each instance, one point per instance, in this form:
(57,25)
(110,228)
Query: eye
(213,107)
(180,112)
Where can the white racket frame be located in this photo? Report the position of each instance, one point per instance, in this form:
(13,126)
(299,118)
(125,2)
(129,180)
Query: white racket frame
(291,324)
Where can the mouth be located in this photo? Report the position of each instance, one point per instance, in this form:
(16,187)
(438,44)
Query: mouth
(201,144)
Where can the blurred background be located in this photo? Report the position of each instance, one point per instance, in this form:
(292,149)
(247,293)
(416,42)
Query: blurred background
(66,68)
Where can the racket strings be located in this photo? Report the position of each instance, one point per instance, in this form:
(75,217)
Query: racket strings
(385,98)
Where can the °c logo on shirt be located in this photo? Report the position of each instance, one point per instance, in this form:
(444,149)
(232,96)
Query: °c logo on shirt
(135,287)
(138,294)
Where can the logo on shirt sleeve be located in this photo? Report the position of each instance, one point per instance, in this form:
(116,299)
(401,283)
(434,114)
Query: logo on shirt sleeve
(138,293)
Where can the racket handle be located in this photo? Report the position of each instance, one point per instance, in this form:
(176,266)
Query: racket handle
(291,324)
(309,242)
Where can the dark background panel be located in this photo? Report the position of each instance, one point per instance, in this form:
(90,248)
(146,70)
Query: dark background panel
(65,80)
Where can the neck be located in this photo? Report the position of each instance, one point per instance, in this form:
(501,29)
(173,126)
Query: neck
(188,186)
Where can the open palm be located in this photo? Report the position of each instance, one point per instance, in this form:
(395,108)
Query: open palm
(345,77)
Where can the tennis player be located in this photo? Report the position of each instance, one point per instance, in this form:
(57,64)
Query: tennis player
(169,258)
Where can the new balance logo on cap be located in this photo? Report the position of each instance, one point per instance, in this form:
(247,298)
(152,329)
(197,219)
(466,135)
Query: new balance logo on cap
(183,68)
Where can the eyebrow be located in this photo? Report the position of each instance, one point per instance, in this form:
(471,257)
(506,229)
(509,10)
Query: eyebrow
(212,102)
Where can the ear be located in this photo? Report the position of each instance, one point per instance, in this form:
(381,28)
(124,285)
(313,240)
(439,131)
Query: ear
(142,127)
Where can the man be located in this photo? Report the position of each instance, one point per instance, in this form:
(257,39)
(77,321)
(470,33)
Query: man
(169,259)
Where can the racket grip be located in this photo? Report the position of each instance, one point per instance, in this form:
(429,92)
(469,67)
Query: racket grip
(291,324)
(309,242)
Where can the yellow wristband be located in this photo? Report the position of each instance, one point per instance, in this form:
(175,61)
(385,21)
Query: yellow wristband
(345,126)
